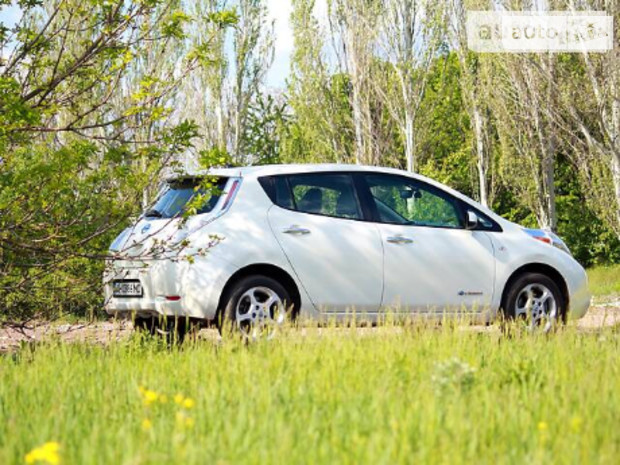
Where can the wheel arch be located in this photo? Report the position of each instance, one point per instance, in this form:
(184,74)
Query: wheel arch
(265,269)
(541,268)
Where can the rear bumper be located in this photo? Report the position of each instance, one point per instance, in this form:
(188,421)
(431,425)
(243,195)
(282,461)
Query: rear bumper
(199,286)
(157,283)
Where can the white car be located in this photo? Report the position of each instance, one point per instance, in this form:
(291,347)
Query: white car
(327,241)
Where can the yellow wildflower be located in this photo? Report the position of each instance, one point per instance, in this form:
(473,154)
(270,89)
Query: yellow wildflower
(188,403)
(575,424)
(150,397)
(146,424)
(178,399)
(47,453)
(542,426)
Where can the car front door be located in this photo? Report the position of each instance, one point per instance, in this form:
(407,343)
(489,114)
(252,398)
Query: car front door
(337,257)
(431,262)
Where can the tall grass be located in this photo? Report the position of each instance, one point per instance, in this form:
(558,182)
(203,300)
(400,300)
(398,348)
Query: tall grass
(413,394)
(604,281)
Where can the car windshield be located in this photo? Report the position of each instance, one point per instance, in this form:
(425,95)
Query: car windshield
(179,193)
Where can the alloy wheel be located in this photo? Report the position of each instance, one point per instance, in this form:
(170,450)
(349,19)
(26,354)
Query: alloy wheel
(259,312)
(537,304)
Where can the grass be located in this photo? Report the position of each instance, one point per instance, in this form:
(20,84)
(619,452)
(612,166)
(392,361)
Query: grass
(604,281)
(413,394)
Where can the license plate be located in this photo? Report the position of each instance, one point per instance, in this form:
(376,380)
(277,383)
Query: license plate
(127,289)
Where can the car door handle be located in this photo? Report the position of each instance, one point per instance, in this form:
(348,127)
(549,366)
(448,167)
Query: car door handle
(399,240)
(296,230)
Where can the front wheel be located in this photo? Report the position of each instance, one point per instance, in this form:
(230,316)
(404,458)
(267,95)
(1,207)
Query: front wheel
(255,306)
(535,298)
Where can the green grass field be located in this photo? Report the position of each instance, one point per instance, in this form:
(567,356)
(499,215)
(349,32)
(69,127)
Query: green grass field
(604,281)
(405,394)
(416,394)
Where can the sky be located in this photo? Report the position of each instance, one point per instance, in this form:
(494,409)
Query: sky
(278,10)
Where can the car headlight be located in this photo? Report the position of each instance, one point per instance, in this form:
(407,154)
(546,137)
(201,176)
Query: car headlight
(548,237)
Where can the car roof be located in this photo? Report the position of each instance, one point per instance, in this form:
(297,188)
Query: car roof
(254,172)
(267,170)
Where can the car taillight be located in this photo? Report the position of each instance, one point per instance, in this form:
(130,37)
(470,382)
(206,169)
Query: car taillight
(231,195)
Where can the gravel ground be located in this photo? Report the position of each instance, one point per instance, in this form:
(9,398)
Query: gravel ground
(599,316)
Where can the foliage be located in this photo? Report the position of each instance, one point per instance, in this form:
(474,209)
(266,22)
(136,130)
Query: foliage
(390,395)
(86,129)
(267,124)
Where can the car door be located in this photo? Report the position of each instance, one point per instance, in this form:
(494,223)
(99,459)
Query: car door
(337,256)
(431,262)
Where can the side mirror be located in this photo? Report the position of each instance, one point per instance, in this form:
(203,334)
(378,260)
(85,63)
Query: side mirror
(471,221)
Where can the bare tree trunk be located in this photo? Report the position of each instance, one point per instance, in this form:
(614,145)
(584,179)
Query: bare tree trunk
(409,140)
(219,116)
(353,57)
(549,191)
(470,82)
(237,124)
(547,217)
(480,154)
(615,154)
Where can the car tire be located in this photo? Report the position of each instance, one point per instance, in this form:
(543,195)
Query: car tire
(535,298)
(254,306)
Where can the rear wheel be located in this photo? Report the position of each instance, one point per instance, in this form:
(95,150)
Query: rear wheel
(256,306)
(536,299)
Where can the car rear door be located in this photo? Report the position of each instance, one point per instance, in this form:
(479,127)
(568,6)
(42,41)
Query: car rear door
(337,256)
(431,263)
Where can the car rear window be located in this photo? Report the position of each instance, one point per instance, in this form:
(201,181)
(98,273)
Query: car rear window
(180,195)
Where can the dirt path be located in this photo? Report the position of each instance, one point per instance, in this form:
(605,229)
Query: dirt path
(599,316)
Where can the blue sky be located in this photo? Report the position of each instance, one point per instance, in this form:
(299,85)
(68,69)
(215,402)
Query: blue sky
(9,14)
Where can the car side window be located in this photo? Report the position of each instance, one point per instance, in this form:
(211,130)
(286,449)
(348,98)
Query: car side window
(405,201)
(325,194)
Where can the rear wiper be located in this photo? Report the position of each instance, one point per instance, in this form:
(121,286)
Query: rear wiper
(152,213)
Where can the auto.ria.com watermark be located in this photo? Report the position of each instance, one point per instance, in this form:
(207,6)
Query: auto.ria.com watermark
(556,31)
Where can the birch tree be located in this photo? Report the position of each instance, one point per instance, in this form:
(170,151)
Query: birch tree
(353,28)
(474,90)
(593,106)
(204,94)
(528,134)
(321,129)
(253,55)
(411,33)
